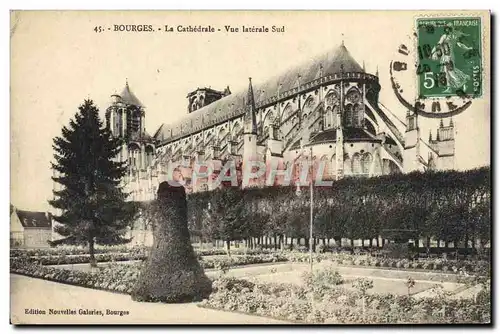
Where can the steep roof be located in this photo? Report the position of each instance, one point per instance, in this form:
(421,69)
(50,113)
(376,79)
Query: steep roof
(349,135)
(129,98)
(332,62)
(34,219)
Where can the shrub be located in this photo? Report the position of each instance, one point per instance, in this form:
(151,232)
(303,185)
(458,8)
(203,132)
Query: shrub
(337,305)
(322,280)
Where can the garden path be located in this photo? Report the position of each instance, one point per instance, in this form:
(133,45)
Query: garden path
(31,293)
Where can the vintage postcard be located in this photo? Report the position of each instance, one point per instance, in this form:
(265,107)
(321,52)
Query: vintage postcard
(250,167)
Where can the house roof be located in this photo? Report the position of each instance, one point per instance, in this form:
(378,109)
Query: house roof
(334,61)
(34,219)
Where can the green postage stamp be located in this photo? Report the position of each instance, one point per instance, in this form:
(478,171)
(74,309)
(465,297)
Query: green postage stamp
(449,57)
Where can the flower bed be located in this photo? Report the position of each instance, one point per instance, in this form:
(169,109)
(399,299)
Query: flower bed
(120,277)
(76,250)
(321,303)
(239,260)
(83,258)
(136,253)
(436,265)
(332,303)
(234,251)
(75,255)
(218,261)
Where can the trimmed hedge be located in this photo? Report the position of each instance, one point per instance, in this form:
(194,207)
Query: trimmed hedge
(445,205)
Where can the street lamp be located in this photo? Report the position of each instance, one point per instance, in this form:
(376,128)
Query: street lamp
(298,192)
(311,214)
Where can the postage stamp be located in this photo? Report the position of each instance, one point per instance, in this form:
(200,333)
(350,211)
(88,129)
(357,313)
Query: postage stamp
(250,167)
(449,54)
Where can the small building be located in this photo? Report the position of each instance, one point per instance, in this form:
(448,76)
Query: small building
(30,229)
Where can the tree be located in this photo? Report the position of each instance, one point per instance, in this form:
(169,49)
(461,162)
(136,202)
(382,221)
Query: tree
(226,215)
(91,200)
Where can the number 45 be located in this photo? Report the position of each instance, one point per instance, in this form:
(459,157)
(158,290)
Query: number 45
(429,80)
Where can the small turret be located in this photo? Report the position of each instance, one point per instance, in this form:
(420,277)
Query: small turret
(412,143)
(445,132)
(249,136)
(202,97)
(445,145)
(250,121)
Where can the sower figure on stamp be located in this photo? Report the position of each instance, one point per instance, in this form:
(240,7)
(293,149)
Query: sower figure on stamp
(444,51)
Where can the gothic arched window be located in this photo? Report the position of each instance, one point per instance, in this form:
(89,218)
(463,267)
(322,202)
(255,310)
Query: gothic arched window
(348,116)
(236,131)
(308,106)
(358,115)
(134,155)
(356,164)
(366,162)
(333,166)
(149,155)
(332,98)
(347,165)
(353,96)
(286,112)
(328,118)
(322,165)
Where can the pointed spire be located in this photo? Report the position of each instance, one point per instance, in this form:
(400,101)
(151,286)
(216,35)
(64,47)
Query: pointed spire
(128,97)
(451,122)
(430,136)
(342,39)
(250,100)
(441,125)
(376,73)
(250,118)
(320,70)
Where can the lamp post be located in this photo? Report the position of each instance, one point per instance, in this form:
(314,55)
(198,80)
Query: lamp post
(311,216)
(311,208)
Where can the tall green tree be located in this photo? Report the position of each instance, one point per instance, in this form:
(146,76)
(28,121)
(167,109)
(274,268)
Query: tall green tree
(93,205)
(226,215)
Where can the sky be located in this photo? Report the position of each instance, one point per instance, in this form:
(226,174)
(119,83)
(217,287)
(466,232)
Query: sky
(58,60)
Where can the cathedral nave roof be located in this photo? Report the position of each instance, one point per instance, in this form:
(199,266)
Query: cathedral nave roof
(333,62)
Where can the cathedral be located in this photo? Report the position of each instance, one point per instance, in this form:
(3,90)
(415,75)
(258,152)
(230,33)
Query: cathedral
(326,109)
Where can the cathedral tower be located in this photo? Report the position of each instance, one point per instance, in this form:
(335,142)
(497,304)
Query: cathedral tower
(125,118)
